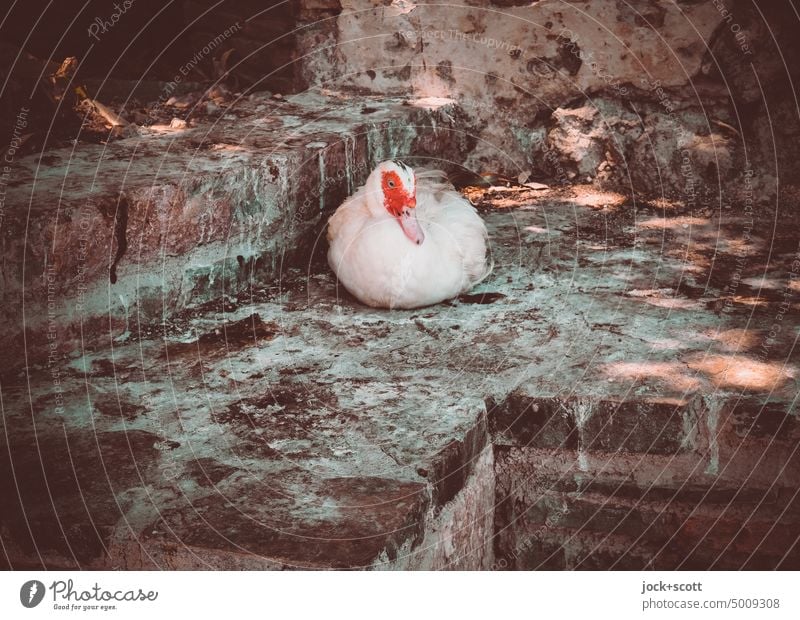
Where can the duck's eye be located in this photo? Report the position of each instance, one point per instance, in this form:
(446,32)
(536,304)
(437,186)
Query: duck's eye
(390,183)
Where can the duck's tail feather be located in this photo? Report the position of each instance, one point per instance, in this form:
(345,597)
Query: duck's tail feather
(489,269)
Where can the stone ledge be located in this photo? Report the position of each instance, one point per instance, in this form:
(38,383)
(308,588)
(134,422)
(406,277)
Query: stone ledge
(195,214)
(280,405)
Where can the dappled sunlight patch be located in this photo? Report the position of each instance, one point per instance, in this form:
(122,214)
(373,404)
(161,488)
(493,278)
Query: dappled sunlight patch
(673,303)
(227,147)
(667,344)
(537,230)
(741,246)
(749,300)
(431,103)
(663,298)
(600,200)
(689,267)
(737,371)
(737,339)
(172,128)
(664,204)
(508,201)
(675,374)
(763,282)
(650,292)
(672,223)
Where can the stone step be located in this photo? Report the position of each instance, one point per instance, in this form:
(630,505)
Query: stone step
(577,549)
(186,215)
(766,527)
(253,433)
(736,424)
(654,426)
(685,478)
(142,499)
(273,453)
(659,508)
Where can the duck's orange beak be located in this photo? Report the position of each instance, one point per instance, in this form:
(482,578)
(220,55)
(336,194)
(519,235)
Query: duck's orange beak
(410,224)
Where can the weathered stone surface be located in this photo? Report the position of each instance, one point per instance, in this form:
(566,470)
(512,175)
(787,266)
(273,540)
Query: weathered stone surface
(717,540)
(522,46)
(185,216)
(548,68)
(529,421)
(644,511)
(630,364)
(664,148)
(294,404)
(688,97)
(64,492)
(755,419)
(641,425)
(458,535)
(346,522)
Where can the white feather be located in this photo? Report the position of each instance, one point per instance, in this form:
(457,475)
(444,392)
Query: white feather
(382,267)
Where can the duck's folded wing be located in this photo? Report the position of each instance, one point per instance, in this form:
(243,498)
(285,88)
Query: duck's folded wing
(455,225)
(349,216)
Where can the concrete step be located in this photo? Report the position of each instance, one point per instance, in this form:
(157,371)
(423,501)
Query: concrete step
(291,426)
(650,507)
(654,426)
(274,440)
(734,424)
(717,532)
(578,549)
(181,216)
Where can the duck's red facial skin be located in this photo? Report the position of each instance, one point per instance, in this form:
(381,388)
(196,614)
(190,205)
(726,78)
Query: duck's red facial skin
(400,203)
(395,196)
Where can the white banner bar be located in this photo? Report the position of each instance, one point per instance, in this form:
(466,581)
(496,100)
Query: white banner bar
(380,595)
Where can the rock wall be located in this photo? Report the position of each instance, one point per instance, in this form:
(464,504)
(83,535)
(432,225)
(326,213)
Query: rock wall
(666,98)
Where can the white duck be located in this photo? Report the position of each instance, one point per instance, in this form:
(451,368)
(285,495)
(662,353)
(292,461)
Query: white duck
(404,240)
